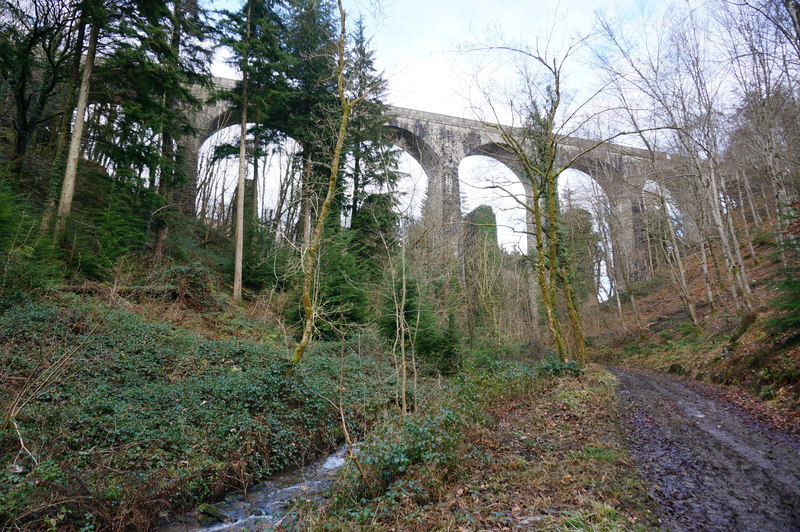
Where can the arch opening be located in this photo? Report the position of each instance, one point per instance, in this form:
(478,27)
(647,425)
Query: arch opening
(274,164)
(383,171)
(417,164)
(488,181)
(412,187)
(587,215)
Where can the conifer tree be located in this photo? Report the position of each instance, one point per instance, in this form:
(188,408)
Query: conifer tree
(70,174)
(253,34)
(372,159)
(312,107)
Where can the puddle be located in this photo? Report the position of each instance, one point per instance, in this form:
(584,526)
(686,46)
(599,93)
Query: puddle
(267,503)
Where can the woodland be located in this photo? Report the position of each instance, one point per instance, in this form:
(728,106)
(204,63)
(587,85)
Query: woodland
(169,337)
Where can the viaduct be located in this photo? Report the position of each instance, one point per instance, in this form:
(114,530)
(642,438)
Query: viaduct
(439,143)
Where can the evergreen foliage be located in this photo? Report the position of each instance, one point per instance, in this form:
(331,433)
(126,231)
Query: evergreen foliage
(787,303)
(375,233)
(180,418)
(267,265)
(372,161)
(27,262)
(432,341)
(342,285)
(34,55)
(580,251)
(267,67)
(114,217)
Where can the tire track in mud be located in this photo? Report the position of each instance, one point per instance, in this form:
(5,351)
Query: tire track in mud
(709,467)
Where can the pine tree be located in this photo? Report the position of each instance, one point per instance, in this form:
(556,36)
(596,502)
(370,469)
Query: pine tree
(95,15)
(253,34)
(372,160)
(312,107)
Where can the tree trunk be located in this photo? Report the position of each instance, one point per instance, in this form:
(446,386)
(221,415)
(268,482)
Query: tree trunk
(706,275)
(238,258)
(745,225)
(70,173)
(254,207)
(356,188)
(681,275)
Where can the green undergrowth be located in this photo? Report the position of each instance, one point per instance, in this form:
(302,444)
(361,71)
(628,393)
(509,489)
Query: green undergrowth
(121,420)
(503,448)
(412,458)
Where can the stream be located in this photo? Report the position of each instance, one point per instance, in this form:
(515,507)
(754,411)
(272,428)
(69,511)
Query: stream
(267,504)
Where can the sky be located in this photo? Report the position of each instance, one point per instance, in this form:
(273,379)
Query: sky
(419,43)
(420,47)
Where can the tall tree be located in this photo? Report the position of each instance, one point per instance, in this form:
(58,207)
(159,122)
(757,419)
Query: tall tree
(372,161)
(675,74)
(312,105)
(68,185)
(184,65)
(535,151)
(346,105)
(239,254)
(763,142)
(254,36)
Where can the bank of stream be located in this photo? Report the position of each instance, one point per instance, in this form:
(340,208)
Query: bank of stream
(267,504)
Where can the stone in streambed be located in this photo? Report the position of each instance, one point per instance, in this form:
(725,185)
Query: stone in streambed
(208,514)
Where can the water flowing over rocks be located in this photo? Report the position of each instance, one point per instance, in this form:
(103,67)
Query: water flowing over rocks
(266,504)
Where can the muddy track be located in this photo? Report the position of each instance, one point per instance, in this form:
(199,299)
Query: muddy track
(710,466)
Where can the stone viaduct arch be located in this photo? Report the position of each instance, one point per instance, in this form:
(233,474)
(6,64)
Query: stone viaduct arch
(439,143)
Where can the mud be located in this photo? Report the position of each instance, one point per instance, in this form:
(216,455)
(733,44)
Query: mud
(710,465)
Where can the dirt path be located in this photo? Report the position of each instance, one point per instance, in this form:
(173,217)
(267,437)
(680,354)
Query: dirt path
(711,466)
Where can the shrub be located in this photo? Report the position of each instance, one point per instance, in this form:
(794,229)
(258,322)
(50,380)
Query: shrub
(111,218)
(267,265)
(194,283)
(410,457)
(554,366)
(647,286)
(786,304)
(433,342)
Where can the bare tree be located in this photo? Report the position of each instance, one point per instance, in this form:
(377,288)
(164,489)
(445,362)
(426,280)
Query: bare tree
(683,85)
(534,150)
(764,125)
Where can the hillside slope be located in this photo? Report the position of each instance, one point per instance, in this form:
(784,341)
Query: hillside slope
(765,363)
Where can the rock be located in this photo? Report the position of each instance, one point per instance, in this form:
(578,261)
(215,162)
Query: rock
(208,514)
(18,469)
